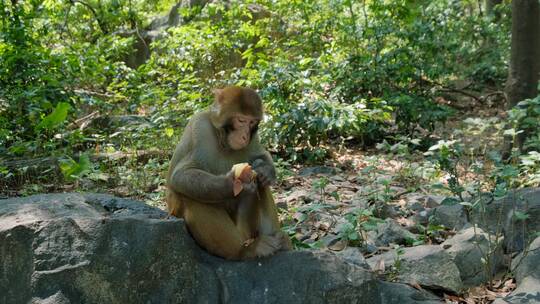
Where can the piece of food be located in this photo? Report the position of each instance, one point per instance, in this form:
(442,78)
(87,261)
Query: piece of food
(242,174)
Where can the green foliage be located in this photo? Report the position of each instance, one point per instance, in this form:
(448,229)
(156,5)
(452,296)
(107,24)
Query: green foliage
(525,117)
(357,223)
(330,73)
(56,118)
(73,170)
(530,168)
(418,111)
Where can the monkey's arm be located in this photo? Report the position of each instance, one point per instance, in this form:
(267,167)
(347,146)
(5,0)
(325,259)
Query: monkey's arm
(187,174)
(201,185)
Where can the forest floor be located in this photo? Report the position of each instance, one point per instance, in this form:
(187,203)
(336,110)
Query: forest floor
(315,201)
(340,203)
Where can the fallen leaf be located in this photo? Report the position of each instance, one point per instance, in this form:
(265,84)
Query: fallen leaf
(415,285)
(379,266)
(337,246)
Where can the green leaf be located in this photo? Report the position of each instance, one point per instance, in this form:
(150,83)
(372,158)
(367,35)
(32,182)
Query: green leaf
(450,201)
(56,118)
(169,132)
(512,132)
(353,236)
(466,204)
(520,216)
(73,170)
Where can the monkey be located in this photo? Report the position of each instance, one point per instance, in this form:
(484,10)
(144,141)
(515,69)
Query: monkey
(200,179)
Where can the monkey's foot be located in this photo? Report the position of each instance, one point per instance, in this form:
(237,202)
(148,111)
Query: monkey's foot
(266,245)
(248,242)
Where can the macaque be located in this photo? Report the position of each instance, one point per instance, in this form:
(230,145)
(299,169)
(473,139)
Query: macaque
(231,217)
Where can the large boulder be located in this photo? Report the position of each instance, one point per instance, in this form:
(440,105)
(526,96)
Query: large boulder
(476,254)
(516,216)
(504,215)
(91,248)
(427,265)
(526,267)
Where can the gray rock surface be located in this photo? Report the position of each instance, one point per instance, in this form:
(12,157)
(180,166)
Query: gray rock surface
(306,171)
(91,248)
(391,232)
(517,233)
(428,265)
(353,255)
(450,216)
(404,294)
(527,263)
(498,216)
(414,200)
(469,248)
(527,270)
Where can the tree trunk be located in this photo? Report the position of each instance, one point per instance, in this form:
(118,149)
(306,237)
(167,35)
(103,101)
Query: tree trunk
(524,71)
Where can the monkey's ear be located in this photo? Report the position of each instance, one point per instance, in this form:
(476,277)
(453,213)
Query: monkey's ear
(218,94)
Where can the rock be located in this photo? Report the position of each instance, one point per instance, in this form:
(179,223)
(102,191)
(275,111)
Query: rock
(370,248)
(450,216)
(292,278)
(421,218)
(468,249)
(432,201)
(527,292)
(405,294)
(353,255)
(526,268)
(386,211)
(419,201)
(528,264)
(428,265)
(90,248)
(330,239)
(141,47)
(517,233)
(359,200)
(317,170)
(391,232)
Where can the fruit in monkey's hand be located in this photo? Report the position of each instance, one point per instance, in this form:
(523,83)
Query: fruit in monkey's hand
(242,174)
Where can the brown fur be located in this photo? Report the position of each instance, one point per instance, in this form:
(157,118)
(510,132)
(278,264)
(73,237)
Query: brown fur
(200,185)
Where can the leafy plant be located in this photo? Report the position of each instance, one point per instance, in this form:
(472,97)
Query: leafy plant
(357,223)
(74,170)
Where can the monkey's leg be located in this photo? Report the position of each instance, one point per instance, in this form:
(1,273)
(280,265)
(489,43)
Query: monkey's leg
(214,229)
(262,219)
(174,203)
(247,217)
(268,218)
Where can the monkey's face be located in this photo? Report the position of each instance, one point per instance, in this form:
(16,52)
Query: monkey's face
(241,129)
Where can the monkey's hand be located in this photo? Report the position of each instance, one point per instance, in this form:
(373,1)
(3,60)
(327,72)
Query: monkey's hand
(249,189)
(242,187)
(266,173)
